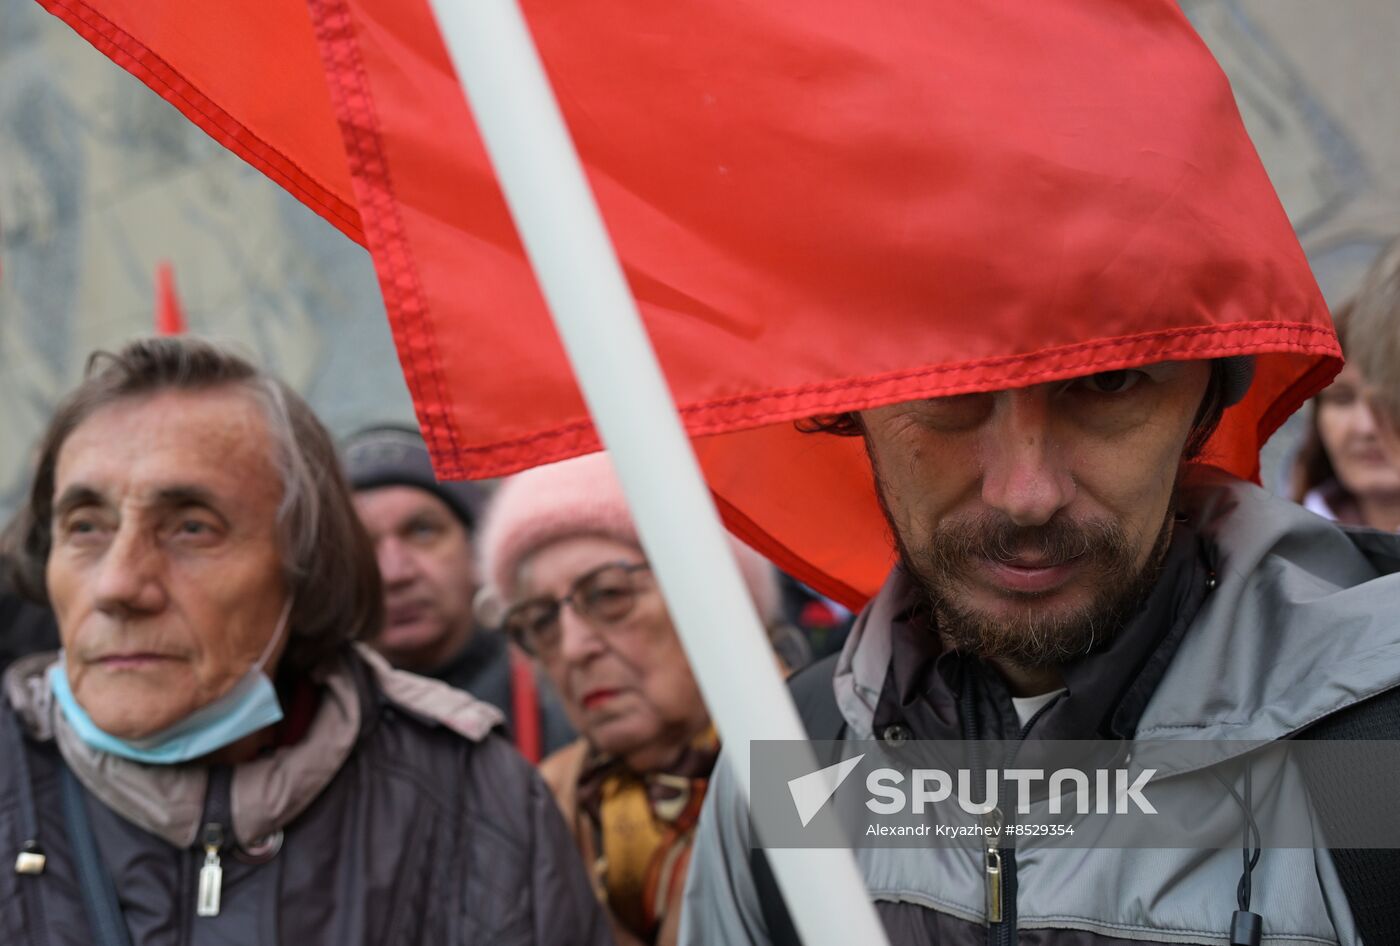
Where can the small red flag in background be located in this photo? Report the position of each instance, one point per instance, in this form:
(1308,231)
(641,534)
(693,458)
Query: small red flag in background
(818,208)
(170,317)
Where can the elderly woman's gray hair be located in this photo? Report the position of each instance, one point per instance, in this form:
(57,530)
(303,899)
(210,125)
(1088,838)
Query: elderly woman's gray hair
(327,557)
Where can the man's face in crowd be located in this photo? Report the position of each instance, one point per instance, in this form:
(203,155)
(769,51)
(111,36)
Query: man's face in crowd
(165,573)
(425,558)
(1034,517)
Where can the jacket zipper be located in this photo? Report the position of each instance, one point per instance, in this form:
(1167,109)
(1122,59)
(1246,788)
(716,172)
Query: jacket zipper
(1000,908)
(999,865)
(999,869)
(1001,923)
(211,875)
(209,896)
(995,909)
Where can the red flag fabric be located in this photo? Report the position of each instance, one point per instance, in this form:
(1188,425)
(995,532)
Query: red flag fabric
(818,208)
(170,316)
(248,73)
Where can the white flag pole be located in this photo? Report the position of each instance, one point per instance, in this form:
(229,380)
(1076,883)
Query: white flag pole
(559,223)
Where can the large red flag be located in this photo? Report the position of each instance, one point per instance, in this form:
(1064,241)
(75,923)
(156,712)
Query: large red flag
(819,207)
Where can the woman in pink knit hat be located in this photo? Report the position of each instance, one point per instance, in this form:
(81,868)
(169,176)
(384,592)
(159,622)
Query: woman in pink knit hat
(568,580)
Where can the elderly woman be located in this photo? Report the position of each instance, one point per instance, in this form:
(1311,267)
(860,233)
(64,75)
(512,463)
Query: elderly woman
(210,758)
(1342,470)
(561,556)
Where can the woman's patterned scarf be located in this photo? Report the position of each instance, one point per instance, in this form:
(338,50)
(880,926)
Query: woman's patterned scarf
(643,824)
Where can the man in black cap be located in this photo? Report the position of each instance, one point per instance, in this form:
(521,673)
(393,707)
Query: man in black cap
(422,531)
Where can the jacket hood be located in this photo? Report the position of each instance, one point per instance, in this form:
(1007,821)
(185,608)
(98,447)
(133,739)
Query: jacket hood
(1299,626)
(1296,629)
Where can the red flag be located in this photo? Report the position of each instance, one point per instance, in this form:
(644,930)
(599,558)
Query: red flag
(818,209)
(247,73)
(170,316)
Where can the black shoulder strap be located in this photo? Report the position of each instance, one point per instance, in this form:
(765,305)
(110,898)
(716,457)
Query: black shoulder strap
(99,895)
(812,692)
(1369,877)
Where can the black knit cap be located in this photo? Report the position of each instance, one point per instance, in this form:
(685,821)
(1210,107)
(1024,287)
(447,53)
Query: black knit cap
(397,456)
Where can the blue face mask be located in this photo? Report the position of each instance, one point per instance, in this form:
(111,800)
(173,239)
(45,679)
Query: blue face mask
(251,705)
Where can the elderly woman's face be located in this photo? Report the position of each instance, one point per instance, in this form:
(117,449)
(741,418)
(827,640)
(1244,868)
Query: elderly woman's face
(165,572)
(625,683)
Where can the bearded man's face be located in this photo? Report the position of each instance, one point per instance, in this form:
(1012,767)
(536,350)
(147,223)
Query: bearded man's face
(1035,518)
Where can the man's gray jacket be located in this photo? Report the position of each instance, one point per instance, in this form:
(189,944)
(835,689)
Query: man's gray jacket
(1299,623)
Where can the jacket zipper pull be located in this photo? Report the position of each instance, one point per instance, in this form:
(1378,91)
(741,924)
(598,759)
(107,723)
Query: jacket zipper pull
(992,824)
(211,875)
(31,859)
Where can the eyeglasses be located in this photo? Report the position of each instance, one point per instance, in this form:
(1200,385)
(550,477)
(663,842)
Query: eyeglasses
(602,597)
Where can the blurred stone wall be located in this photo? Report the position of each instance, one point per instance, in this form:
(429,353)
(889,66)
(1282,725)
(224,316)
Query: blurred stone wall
(100,180)
(1316,81)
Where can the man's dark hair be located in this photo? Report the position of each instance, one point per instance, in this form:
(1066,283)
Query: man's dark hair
(327,557)
(1213,404)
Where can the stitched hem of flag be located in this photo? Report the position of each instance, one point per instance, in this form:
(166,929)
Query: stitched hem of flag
(762,408)
(399,280)
(167,82)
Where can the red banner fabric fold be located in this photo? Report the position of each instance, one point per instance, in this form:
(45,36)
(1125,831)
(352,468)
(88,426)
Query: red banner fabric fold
(819,207)
(248,73)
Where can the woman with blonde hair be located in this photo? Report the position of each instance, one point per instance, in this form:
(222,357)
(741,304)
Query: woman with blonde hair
(1374,332)
(1342,470)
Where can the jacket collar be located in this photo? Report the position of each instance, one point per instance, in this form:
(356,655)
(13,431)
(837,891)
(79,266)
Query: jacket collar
(1300,626)
(929,688)
(268,792)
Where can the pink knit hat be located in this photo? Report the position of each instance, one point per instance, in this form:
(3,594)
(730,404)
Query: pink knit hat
(581,496)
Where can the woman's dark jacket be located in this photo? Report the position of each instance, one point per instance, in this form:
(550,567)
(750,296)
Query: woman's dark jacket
(422,835)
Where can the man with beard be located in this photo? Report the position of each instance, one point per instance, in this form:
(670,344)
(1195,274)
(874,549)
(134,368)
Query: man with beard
(422,531)
(1047,516)
(1066,573)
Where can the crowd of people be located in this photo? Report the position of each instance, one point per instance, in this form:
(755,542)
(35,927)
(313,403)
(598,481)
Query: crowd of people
(260,686)
(247,668)
(322,669)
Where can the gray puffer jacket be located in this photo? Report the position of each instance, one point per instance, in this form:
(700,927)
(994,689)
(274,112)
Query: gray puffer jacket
(1297,624)
(399,818)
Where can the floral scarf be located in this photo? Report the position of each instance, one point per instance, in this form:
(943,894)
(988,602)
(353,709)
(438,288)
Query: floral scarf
(643,824)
